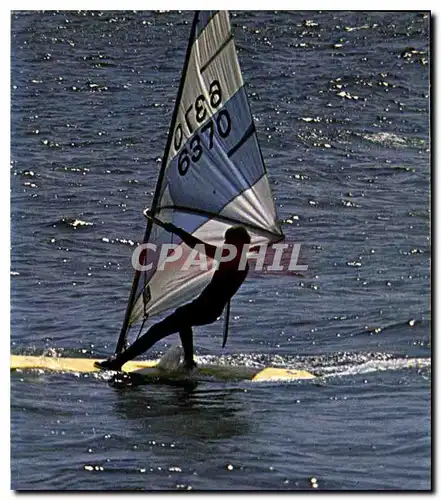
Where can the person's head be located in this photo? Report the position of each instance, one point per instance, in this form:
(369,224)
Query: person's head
(237,235)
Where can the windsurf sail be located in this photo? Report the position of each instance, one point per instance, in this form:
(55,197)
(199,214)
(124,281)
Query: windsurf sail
(212,174)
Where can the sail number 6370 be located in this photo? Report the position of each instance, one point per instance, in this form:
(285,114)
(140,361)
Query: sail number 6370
(222,123)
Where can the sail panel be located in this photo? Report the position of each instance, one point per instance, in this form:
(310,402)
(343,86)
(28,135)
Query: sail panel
(206,92)
(226,165)
(255,209)
(204,17)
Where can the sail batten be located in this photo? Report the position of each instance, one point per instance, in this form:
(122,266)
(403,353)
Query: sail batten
(212,174)
(216,54)
(248,133)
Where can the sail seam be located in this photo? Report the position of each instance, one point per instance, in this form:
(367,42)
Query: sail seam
(248,133)
(216,54)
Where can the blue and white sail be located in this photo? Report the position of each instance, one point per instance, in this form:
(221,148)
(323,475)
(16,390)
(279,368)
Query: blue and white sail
(213,175)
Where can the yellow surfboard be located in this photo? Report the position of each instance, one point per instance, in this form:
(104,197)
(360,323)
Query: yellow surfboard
(150,369)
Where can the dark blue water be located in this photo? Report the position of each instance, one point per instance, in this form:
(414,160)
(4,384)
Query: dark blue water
(341,102)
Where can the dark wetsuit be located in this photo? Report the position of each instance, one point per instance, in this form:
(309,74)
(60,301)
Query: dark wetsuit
(205,309)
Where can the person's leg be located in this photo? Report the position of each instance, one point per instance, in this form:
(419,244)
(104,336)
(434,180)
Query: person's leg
(171,324)
(186,334)
(196,314)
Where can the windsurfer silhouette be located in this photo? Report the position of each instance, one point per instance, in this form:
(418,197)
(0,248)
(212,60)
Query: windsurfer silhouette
(203,310)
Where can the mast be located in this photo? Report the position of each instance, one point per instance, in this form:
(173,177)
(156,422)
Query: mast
(125,326)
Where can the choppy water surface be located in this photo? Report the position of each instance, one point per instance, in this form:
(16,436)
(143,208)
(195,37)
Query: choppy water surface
(341,101)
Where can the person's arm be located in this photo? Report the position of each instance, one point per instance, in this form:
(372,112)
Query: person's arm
(190,240)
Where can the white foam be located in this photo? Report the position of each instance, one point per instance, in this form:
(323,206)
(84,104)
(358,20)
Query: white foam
(381,365)
(172,360)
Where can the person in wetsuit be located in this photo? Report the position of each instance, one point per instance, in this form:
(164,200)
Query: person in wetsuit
(203,310)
